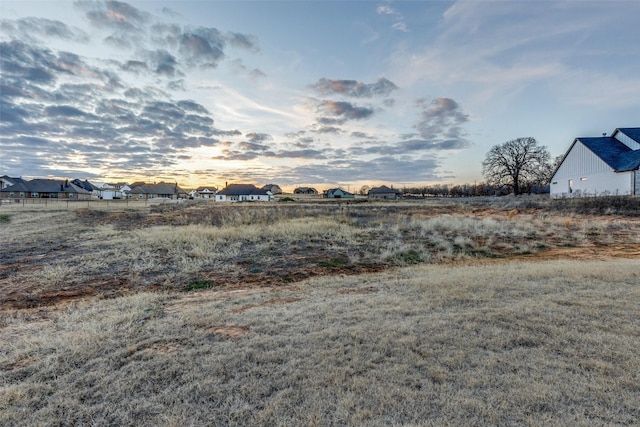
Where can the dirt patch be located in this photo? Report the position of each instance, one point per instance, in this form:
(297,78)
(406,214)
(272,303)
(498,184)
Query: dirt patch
(616,250)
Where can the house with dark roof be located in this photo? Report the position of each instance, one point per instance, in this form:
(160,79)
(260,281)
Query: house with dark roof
(384,192)
(273,188)
(600,166)
(6,181)
(161,190)
(337,193)
(45,189)
(92,188)
(305,190)
(243,193)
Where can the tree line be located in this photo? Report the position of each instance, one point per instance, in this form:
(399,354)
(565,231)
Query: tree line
(519,166)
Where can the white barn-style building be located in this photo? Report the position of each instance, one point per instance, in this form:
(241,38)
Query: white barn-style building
(600,166)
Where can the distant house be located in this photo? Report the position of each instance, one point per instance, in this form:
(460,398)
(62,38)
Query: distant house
(384,192)
(204,192)
(242,193)
(337,193)
(305,190)
(92,188)
(599,166)
(273,188)
(45,189)
(109,191)
(161,190)
(6,181)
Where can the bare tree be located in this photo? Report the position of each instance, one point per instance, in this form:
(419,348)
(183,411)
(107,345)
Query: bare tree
(364,190)
(519,163)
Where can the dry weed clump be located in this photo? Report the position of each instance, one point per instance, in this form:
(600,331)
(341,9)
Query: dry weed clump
(516,343)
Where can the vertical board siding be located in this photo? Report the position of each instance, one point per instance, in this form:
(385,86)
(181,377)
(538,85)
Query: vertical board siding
(627,141)
(589,175)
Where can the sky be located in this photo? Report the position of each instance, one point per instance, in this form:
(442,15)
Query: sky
(306,93)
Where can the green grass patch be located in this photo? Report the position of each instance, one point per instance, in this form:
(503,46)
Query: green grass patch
(409,257)
(199,284)
(5,218)
(334,262)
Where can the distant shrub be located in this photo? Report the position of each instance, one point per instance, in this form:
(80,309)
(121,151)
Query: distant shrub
(199,284)
(611,205)
(408,257)
(334,262)
(5,218)
(286,199)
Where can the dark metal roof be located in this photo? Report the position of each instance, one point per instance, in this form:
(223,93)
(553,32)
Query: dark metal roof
(47,186)
(633,133)
(242,190)
(613,152)
(383,189)
(159,188)
(609,149)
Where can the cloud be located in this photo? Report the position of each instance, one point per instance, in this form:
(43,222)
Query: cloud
(440,124)
(243,41)
(328,130)
(353,88)
(115,15)
(32,29)
(339,112)
(204,49)
(403,169)
(399,22)
(258,137)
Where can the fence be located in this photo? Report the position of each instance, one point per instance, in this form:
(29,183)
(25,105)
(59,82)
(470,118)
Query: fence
(25,203)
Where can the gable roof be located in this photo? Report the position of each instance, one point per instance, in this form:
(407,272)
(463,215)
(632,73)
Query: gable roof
(242,190)
(633,133)
(86,185)
(11,180)
(613,152)
(383,189)
(609,149)
(333,191)
(159,188)
(47,186)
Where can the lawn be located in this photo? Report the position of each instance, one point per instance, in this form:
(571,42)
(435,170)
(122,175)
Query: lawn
(435,313)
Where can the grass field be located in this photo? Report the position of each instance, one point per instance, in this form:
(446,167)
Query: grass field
(408,315)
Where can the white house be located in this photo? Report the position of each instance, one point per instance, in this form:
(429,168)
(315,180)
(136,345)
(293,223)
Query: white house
(243,193)
(600,166)
(203,192)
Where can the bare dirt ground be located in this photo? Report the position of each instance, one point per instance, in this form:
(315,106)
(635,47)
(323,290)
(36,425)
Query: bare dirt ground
(290,263)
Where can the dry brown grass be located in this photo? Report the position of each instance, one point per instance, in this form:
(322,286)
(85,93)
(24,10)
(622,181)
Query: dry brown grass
(520,343)
(54,255)
(478,337)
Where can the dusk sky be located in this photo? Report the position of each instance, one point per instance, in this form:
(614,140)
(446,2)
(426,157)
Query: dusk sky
(296,93)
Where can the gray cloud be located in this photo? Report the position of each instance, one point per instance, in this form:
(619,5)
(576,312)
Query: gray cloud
(32,29)
(114,14)
(243,41)
(353,88)
(339,112)
(259,137)
(440,124)
(379,169)
(328,130)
